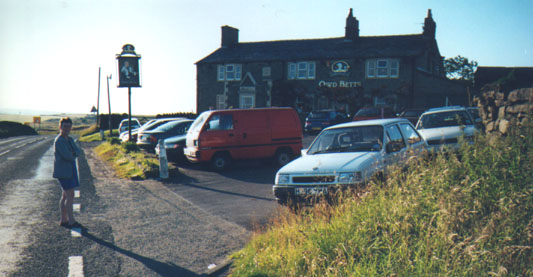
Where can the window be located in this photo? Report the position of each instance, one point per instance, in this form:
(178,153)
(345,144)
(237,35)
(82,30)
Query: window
(382,68)
(395,138)
(411,134)
(301,70)
(229,72)
(266,71)
(220,122)
(247,101)
(221,101)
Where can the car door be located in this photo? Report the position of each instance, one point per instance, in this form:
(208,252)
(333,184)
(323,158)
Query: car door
(219,133)
(396,147)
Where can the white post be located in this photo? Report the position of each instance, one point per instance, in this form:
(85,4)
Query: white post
(163,161)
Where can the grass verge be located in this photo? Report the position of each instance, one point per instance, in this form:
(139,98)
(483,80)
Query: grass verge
(127,160)
(467,214)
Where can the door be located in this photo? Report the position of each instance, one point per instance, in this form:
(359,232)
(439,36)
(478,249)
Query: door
(218,134)
(253,134)
(395,148)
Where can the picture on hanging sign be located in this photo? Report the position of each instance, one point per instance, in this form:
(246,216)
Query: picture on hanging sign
(129,72)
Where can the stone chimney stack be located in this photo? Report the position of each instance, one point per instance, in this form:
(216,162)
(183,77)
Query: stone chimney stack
(230,36)
(430,27)
(352,27)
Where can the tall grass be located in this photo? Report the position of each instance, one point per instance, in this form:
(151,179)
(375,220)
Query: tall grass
(127,160)
(466,214)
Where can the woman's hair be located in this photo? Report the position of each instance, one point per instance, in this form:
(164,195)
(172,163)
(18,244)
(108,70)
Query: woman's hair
(65,120)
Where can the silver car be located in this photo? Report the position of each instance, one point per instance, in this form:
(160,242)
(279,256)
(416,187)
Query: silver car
(347,155)
(442,127)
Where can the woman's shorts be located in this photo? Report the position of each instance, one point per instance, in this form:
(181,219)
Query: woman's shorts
(70,183)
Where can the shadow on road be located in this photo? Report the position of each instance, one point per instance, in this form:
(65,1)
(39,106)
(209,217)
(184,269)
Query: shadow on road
(161,268)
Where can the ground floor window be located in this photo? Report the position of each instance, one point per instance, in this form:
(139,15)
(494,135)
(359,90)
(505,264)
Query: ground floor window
(247,101)
(221,101)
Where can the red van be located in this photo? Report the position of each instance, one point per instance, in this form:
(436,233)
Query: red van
(220,136)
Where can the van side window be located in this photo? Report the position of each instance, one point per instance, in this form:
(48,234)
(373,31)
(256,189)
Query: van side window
(220,122)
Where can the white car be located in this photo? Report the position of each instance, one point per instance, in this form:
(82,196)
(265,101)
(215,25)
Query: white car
(347,155)
(442,127)
(123,127)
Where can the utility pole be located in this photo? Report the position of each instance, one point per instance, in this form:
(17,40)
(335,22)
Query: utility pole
(109,105)
(98,101)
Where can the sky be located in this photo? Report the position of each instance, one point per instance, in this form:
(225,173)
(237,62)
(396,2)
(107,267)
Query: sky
(51,50)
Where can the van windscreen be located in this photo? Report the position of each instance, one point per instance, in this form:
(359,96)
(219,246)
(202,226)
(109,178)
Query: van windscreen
(199,122)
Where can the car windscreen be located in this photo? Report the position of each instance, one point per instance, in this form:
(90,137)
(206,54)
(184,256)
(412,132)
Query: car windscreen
(444,119)
(317,115)
(368,112)
(167,126)
(349,139)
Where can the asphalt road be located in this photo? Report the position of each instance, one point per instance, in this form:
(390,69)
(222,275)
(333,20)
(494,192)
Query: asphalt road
(180,227)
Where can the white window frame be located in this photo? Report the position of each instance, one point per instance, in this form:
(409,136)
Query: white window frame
(243,101)
(383,68)
(301,71)
(221,101)
(229,72)
(267,71)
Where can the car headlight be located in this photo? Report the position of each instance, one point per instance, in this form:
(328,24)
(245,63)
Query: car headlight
(283,179)
(350,178)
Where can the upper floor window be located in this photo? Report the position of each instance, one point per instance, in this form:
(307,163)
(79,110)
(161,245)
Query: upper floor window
(229,72)
(382,68)
(301,70)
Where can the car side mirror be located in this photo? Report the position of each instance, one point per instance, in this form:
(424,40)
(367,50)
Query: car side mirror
(391,147)
(303,152)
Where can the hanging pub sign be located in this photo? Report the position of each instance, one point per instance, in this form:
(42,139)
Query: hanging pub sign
(128,67)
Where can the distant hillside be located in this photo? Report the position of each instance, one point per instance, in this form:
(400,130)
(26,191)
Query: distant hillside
(12,129)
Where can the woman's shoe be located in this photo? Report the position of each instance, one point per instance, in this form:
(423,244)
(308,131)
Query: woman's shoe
(64,224)
(75,225)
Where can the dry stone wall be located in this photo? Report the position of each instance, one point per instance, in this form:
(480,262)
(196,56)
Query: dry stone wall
(500,111)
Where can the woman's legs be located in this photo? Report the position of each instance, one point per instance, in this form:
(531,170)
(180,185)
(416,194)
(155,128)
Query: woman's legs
(63,207)
(68,204)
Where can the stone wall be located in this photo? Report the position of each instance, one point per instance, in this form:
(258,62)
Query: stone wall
(500,111)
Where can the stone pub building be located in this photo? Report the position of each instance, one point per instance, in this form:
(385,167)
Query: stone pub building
(342,73)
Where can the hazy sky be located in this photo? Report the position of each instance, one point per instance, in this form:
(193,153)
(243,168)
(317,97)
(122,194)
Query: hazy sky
(50,51)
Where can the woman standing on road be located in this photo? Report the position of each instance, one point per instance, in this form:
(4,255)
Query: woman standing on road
(65,153)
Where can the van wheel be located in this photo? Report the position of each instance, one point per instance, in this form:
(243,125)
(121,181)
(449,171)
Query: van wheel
(220,161)
(283,157)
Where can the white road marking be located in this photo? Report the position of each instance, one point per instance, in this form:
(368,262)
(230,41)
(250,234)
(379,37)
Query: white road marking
(75,232)
(75,266)
(5,152)
(76,194)
(76,207)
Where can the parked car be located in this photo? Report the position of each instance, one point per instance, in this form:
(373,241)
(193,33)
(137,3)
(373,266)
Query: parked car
(442,127)
(373,113)
(149,139)
(220,136)
(345,156)
(318,120)
(174,148)
(474,112)
(412,115)
(150,125)
(123,126)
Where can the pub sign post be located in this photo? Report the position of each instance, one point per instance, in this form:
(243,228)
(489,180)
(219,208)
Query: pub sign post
(129,74)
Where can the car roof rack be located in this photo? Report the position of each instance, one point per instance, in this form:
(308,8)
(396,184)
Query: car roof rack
(445,108)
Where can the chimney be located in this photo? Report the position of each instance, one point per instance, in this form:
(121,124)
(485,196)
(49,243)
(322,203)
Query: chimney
(430,27)
(352,27)
(230,36)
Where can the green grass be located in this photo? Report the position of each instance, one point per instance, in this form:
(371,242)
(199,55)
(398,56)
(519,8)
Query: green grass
(468,214)
(127,160)
(92,134)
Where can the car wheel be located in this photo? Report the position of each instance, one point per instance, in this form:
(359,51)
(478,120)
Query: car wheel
(283,157)
(220,161)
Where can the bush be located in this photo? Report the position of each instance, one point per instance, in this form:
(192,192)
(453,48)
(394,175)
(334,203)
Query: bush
(130,146)
(113,140)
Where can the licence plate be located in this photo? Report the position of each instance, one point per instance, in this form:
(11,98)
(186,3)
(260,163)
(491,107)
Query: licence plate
(311,191)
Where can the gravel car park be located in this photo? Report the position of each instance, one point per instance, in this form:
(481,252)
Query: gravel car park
(347,155)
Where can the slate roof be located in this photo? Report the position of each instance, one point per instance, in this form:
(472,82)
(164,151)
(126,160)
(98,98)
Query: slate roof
(318,49)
